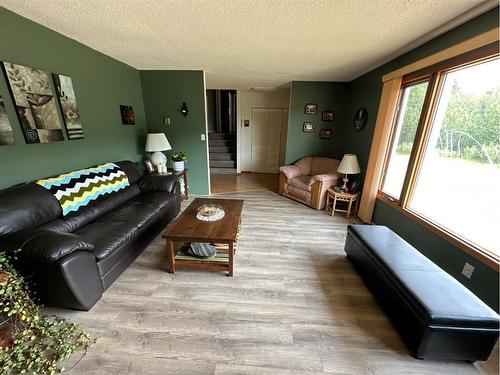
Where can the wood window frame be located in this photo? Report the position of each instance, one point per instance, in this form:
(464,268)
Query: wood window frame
(435,74)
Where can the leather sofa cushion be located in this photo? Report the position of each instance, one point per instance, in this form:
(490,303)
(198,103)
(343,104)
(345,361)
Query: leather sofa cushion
(114,229)
(133,173)
(140,209)
(26,207)
(107,236)
(157,183)
(434,295)
(49,246)
(301,182)
(93,211)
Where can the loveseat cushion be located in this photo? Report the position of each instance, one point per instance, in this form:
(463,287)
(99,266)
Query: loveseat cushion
(321,165)
(434,295)
(304,165)
(301,182)
(331,178)
(290,171)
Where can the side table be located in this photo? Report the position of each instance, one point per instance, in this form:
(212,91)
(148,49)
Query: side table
(182,178)
(333,197)
(183,181)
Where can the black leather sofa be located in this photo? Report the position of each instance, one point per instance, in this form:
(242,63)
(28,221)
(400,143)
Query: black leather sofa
(72,260)
(436,315)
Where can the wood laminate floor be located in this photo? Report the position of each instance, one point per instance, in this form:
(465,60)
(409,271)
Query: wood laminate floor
(295,306)
(245,181)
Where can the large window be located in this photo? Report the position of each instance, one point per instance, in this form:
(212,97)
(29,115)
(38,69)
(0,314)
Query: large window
(410,109)
(443,165)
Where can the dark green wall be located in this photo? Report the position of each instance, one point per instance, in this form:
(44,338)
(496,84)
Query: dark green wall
(164,92)
(101,85)
(328,96)
(365,92)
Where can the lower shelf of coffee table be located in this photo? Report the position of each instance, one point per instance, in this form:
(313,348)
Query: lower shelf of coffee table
(218,263)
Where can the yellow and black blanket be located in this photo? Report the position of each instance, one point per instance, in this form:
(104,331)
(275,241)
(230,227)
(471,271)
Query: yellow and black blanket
(76,189)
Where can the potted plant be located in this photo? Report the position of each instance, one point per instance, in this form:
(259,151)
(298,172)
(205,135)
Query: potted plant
(30,342)
(178,159)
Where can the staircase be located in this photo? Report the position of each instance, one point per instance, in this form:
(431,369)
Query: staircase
(222,152)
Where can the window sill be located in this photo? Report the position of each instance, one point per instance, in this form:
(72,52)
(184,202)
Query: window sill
(489,259)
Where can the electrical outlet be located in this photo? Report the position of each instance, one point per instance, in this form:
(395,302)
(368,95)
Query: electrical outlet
(203,137)
(468,270)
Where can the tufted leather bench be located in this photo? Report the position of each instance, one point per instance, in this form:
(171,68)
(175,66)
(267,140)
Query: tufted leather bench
(436,315)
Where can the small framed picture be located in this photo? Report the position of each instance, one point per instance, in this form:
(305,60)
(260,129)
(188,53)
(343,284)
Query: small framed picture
(128,117)
(149,166)
(310,109)
(325,133)
(308,127)
(328,115)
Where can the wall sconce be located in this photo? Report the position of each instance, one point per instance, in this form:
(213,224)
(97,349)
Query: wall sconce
(184,109)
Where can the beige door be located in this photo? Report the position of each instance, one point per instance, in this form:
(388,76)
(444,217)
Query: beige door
(267,141)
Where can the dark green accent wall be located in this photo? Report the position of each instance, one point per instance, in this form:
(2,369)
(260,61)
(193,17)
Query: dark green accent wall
(365,92)
(328,96)
(101,85)
(164,92)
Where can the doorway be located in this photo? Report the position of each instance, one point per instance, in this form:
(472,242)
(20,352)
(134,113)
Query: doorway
(221,124)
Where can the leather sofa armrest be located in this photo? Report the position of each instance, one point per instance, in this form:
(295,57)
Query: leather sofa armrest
(157,183)
(48,246)
(326,177)
(290,171)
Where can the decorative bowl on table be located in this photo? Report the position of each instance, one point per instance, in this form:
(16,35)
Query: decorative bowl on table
(210,212)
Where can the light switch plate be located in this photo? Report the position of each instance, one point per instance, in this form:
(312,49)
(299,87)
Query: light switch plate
(203,137)
(468,270)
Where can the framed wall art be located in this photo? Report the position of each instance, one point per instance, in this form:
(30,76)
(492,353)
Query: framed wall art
(327,115)
(310,109)
(67,101)
(308,127)
(325,133)
(35,103)
(6,133)
(127,113)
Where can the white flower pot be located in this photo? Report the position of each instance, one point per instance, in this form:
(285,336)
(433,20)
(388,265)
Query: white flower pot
(178,166)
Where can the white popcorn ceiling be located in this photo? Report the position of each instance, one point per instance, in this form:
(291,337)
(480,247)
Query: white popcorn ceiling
(246,43)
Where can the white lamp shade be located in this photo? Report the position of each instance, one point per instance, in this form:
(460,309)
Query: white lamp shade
(349,165)
(157,142)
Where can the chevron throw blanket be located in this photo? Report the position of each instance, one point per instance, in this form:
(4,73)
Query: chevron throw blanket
(76,189)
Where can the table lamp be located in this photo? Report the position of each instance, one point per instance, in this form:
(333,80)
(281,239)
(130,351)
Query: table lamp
(348,165)
(156,143)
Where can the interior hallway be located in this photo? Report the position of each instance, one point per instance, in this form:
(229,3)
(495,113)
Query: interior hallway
(245,181)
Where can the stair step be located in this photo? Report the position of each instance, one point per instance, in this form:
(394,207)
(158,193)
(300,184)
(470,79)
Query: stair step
(221,136)
(221,142)
(222,156)
(223,163)
(223,149)
(222,170)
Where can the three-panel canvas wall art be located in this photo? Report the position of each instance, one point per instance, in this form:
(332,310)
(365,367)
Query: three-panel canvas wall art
(36,99)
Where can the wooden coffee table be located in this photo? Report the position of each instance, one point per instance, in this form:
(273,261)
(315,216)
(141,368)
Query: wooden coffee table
(187,228)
